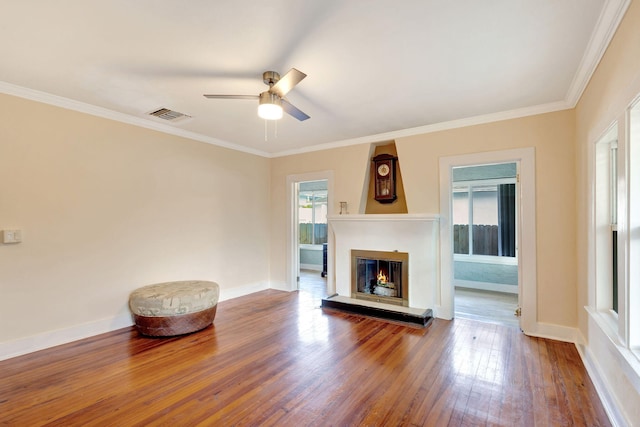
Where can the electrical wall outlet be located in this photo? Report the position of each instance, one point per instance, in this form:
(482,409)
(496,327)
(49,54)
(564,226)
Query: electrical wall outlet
(11,236)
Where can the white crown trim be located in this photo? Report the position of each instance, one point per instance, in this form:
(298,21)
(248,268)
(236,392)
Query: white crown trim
(70,104)
(436,127)
(610,17)
(612,13)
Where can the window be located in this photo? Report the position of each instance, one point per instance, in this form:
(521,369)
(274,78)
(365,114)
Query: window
(616,232)
(484,217)
(312,213)
(613,212)
(631,293)
(606,156)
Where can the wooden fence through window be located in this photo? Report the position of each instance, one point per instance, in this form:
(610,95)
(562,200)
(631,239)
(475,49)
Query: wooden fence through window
(485,239)
(307,231)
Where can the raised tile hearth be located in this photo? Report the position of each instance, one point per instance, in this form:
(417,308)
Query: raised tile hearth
(413,316)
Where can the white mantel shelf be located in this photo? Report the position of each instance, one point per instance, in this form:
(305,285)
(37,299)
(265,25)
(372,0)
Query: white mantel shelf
(384,217)
(416,234)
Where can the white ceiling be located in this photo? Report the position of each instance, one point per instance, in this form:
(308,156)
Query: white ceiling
(376,68)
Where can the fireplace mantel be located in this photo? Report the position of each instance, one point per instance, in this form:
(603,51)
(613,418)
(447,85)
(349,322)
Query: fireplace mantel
(383,217)
(416,234)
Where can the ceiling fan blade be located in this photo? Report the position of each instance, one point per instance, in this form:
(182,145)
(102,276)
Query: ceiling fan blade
(231,96)
(293,111)
(287,82)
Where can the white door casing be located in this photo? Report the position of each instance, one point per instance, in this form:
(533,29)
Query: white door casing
(526,230)
(293,256)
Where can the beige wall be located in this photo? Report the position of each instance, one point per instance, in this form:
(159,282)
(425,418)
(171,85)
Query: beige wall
(553,137)
(613,86)
(106,207)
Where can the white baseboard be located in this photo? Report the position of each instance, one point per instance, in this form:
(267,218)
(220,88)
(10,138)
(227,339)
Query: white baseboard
(495,287)
(601,385)
(613,368)
(227,294)
(312,267)
(553,332)
(539,330)
(44,340)
(441,313)
(49,339)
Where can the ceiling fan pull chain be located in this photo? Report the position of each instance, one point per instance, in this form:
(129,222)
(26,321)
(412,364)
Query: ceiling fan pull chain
(265,131)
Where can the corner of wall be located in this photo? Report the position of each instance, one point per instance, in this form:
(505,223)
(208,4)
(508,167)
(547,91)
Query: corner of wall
(399,206)
(553,332)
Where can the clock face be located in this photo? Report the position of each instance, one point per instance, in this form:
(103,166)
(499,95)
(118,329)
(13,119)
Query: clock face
(383,170)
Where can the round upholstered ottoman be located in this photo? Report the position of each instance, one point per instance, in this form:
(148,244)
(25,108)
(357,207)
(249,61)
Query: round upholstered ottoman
(174,308)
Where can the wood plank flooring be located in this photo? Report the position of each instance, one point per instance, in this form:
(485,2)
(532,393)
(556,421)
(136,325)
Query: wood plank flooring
(486,306)
(276,358)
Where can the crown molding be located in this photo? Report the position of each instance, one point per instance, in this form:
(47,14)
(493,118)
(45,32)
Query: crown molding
(436,127)
(59,101)
(610,17)
(70,104)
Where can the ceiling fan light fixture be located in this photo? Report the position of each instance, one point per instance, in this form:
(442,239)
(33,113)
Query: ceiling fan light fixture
(270,107)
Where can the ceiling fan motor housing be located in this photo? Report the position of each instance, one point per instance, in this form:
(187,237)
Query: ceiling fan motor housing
(270,77)
(267,97)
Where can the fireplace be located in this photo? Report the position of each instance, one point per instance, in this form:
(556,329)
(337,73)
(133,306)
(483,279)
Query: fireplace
(415,235)
(380,276)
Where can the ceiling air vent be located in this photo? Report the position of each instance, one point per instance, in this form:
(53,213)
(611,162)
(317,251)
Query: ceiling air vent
(166,114)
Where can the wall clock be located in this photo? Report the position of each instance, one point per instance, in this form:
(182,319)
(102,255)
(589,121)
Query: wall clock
(384,171)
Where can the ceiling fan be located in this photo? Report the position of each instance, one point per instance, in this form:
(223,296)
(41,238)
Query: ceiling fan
(271,103)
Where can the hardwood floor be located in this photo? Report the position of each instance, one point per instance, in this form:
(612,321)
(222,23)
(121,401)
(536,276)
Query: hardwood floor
(487,306)
(275,358)
(313,283)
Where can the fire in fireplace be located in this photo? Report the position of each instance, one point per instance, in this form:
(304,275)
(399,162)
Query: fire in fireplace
(380,276)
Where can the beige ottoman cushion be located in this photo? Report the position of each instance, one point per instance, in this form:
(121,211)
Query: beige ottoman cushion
(174,308)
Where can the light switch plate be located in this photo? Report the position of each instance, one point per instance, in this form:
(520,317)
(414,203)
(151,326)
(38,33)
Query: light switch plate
(11,236)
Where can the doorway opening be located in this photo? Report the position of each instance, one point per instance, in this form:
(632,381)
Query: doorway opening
(312,236)
(525,230)
(485,262)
